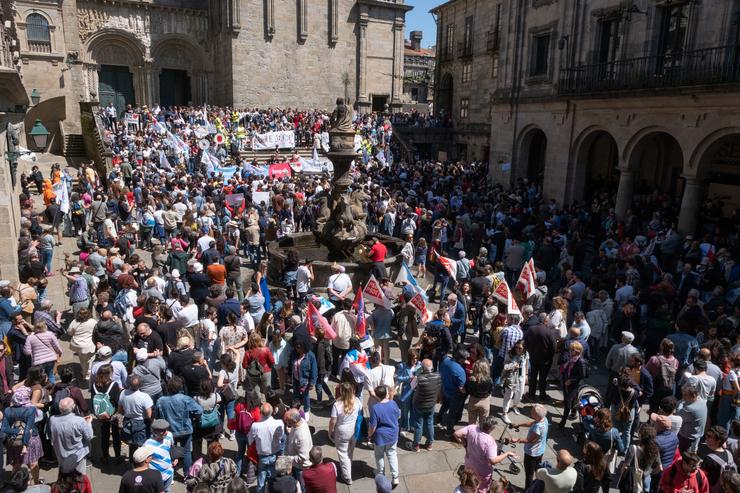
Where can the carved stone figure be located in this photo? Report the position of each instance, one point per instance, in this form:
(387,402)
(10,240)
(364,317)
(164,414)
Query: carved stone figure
(341,118)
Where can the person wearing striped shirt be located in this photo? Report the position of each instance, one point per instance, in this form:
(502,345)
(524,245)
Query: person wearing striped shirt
(161,442)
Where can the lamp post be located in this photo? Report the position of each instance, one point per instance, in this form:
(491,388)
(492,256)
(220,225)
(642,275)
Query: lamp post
(35,97)
(40,135)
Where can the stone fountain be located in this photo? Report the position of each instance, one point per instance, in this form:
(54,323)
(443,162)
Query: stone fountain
(341,224)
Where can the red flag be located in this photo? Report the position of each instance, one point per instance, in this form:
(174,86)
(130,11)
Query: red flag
(503,294)
(449,265)
(314,316)
(359,306)
(526,282)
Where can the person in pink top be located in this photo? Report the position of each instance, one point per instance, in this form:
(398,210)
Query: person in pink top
(481,453)
(44,349)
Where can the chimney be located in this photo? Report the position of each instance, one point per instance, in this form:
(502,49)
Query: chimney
(416,40)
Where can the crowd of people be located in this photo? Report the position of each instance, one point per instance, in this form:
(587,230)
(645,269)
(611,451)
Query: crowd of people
(180,343)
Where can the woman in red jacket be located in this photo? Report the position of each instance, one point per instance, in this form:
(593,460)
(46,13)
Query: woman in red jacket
(258,361)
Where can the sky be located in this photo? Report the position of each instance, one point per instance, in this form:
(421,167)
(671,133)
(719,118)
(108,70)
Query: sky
(420,19)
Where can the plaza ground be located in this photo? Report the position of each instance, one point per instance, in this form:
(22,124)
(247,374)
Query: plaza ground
(422,472)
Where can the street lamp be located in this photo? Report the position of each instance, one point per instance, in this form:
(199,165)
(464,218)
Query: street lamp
(35,97)
(39,134)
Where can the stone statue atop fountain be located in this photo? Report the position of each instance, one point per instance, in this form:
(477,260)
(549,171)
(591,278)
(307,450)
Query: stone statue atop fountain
(341,227)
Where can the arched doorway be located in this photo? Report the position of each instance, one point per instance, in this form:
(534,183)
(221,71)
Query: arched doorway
(533,156)
(657,161)
(113,62)
(445,95)
(719,172)
(596,166)
(179,72)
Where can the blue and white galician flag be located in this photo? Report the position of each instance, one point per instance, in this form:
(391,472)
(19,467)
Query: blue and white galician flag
(405,276)
(226,171)
(159,127)
(210,161)
(325,306)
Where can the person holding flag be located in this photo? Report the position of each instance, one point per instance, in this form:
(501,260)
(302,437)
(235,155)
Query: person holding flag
(380,321)
(407,325)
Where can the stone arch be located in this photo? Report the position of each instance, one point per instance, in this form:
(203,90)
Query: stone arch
(178,71)
(114,47)
(657,160)
(117,54)
(594,168)
(36,45)
(697,164)
(532,154)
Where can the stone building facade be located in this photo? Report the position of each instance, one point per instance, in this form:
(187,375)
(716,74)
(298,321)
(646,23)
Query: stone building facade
(13,104)
(245,53)
(418,71)
(638,96)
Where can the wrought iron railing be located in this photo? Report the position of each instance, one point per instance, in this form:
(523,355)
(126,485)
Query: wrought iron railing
(688,68)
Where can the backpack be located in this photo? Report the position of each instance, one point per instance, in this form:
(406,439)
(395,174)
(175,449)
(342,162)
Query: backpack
(255,369)
(623,410)
(120,304)
(58,396)
(17,439)
(244,421)
(102,406)
(666,378)
(210,419)
(699,476)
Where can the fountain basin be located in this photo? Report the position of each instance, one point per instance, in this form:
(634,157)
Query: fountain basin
(309,248)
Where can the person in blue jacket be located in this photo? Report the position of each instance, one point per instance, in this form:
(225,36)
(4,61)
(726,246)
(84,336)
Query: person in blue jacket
(304,371)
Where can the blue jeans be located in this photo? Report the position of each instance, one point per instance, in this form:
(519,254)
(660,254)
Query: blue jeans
(423,425)
(47,255)
(168,485)
(49,369)
(241,450)
(727,412)
(186,442)
(301,396)
(265,470)
(407,417)
(624,427)
(380,452)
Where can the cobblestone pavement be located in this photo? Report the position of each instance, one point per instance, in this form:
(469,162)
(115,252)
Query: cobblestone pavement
(423,472)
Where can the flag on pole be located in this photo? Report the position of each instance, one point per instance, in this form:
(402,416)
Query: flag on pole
(405,276)
(359,306)
(503,294)
(420,304)
(159,127)
(373,293)
(526,283)
(449,264)
(314,319)
(163,161)
(210,161)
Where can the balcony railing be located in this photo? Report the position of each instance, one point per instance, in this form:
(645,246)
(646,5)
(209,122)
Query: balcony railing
(465,50)
(688,68)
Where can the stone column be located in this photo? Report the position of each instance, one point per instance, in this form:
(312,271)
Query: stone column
(624,192)
(302,21)
(396,83)
(692,197)
(234,16)
(334,22)
(269,18)
(362,97)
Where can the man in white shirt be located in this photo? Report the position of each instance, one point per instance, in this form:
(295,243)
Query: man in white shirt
(339,286)
(304,276)
(379,374)
(267,435)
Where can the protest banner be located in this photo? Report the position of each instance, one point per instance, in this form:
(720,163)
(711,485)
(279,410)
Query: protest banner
(259,197)
(280,171)
(284,139)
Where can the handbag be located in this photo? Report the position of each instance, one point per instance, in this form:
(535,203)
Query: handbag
(227,393)
(631,480)
(611,456)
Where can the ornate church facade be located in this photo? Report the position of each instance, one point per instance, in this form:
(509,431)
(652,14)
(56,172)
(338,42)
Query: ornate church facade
(242,53)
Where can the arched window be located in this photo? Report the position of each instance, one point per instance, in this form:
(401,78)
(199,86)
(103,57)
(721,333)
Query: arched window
(37,28)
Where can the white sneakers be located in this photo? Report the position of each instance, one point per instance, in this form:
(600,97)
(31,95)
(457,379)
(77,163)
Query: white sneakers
(506,419)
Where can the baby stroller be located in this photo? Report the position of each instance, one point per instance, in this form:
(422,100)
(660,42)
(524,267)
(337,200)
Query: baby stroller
(589,401)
